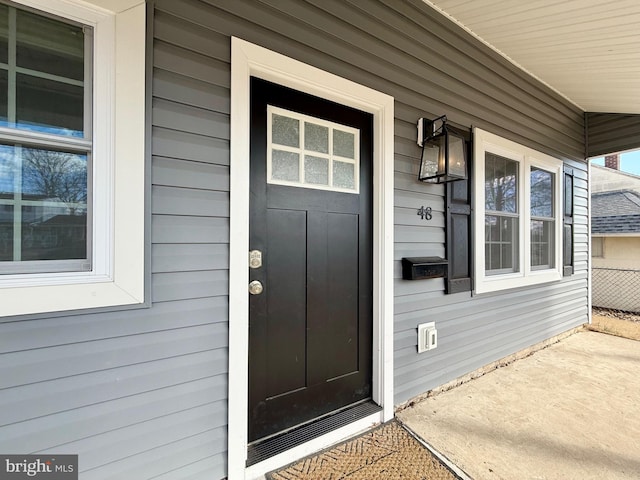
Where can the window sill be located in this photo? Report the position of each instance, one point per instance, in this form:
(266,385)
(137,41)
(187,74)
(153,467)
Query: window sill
(54,298)
(496,283)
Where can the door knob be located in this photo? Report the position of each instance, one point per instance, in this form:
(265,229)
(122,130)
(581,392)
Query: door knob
(255,288)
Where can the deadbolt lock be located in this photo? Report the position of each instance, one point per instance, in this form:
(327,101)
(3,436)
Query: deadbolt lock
(255,259)
(255,288)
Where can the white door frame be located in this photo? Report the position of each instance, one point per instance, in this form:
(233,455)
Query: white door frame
(249,60)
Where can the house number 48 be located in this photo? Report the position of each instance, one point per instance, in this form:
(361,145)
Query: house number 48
(425,213)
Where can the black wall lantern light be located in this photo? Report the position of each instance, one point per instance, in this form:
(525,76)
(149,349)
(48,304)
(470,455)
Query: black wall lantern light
(443,156)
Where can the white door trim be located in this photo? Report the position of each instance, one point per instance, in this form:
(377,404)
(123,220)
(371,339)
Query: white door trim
(249,60)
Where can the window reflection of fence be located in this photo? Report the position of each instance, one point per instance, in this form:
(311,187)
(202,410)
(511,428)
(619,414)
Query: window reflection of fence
(617,289)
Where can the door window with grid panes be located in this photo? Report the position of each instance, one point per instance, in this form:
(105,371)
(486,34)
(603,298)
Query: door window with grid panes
(309,152)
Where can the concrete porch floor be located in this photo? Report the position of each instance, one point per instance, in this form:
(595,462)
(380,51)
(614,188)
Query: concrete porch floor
(569,411)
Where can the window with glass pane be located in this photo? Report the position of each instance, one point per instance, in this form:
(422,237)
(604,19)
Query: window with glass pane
(309,152)
(542,218)
(45,143)
(597,247)
(501,214)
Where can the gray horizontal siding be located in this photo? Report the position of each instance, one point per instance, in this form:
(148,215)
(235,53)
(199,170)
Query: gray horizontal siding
(400,61)
(142,393)
(188,146)
(611,133)
(32,366)
(476,330)
(429,71)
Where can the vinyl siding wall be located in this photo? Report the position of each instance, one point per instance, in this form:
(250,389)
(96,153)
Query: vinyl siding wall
(611,133)
(142,393)
(476,330)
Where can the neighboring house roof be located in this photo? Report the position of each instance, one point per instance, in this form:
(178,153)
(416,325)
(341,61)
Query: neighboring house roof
(615,212)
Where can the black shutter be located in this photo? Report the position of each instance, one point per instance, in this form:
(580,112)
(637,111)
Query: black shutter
(567,248)
(458,208)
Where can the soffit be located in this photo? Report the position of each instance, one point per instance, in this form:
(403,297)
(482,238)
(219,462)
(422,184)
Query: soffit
(587,50)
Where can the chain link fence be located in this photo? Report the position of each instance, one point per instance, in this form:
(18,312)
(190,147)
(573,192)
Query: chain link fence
(616,289)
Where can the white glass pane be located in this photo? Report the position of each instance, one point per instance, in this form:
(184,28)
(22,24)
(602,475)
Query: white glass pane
(53,221)
(541,193)
(312,153)
(285,131)
(53,192)
(316,137)
(542,243)
(501,244)
(54,176)
(4,33)
(4,58)
(500,184)
(343,144)
(53,232)
(6,233)
(285,166)
(49,106)
(48,45)
(343,175)
(7,172)
(4,98)
(316,170)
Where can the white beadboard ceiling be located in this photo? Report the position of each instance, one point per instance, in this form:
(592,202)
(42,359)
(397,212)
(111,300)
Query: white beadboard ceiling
(588,50)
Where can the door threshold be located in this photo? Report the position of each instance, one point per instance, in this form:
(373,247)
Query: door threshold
(262,450)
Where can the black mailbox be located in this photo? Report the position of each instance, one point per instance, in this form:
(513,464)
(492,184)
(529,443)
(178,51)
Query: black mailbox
(418,268)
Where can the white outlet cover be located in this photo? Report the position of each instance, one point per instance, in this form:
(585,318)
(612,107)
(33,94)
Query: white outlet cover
(427,337)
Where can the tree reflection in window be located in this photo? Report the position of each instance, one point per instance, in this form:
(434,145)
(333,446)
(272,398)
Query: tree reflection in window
(542,218)
(44,204)
(54,175)
(501,220)
(501,184)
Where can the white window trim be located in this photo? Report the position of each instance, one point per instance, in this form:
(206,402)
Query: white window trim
(117,275)
(526,157)
(249,60)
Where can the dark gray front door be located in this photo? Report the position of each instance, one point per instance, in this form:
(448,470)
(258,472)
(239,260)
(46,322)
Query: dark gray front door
(311,217)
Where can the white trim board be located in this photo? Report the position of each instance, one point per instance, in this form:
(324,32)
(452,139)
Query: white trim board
(589,247)
(249,60)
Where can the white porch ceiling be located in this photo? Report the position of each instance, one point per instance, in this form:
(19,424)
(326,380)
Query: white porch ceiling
(587,50)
